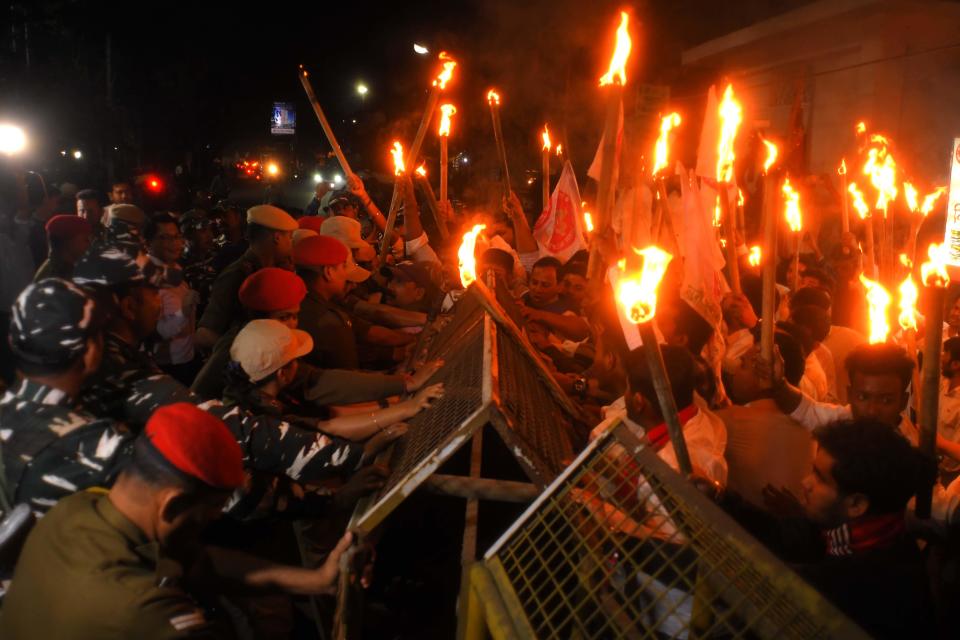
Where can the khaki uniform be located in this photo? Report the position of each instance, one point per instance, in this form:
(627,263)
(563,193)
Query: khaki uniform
(87,571)
(223,307)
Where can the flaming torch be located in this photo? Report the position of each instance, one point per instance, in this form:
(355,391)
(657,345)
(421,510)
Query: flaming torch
(864,212)
(493,100)
(882,171)
(756,257)
(878,300)
(588,221)
(467,259)
(545,173)
(431,198)
(614,80)
(731,115)
(795,221)
(446,112)
(770,224)
(919,210)
(935,278)
(636,297)
(842,171)
(661,152)
(399,170)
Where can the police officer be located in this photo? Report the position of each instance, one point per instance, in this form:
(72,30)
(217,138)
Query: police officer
(68,238)
(270,232)
(114,566)
(197,259)
(52,447)
(129,386)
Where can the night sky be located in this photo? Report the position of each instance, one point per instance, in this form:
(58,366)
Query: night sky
(188,75)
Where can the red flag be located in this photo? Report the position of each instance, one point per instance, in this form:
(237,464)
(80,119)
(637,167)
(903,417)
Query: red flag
(559,230)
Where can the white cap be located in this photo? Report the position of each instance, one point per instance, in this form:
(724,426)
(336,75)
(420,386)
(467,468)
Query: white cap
(264,346)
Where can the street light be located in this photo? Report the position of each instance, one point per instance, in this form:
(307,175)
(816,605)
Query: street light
(77,154)
(362,89)
(273,169)
(317,178)
(419,49)
(12,139)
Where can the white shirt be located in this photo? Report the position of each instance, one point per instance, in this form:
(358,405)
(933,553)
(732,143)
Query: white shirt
(814,380)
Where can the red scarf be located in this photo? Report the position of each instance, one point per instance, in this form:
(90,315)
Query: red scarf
(658,437)
(864,534)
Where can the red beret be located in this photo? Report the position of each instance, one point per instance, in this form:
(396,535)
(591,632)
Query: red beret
(67,226)
(197,443)
(272,289)
(311,222)
(319,251)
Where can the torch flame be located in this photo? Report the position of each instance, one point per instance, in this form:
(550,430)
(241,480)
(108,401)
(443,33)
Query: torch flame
(444,77)
(882,170)
(879,301)
(861,127)
(772,153)
(731,114)
(858,202)
(397,153)
(908,304)
(493,97)
(934,272)
(638,295)
(792,211)
(910,195)
(446,110)
(422,171)
(663,141)
(617,72)
(559,150)
(754,258)
(545,134)
(588,221)
(930,200)
(740,199)
(468,262)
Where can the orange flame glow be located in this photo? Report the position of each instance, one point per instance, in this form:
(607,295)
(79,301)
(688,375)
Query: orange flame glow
(446,111)
(878,300)
(933,273)
(662,147)
(637,295)
(908,303)
(397,152)
(422,171)
(465,254)
(858,202)
(755,257)
(545,135)
(448,66)
(910,195)
(772,153)
(842,170)
(493,97)
(930,200)
(792,204)
(588,221)
(731,114)
(740,199)
(617,73)
(861,127)
(559,150)
(882,170)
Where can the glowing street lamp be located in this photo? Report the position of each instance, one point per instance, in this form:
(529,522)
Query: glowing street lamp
(12,139)
(77,154)
(419,49)
(362,89)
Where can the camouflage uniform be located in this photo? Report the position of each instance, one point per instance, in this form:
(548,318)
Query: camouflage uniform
(50,447)
(198,269)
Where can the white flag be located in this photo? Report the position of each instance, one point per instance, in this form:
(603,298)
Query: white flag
(597,164)
(559,230)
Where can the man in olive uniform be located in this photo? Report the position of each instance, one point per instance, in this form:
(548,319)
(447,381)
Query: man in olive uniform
(68,238)
(125,565)
(129,386)
(51,447)
(270,231)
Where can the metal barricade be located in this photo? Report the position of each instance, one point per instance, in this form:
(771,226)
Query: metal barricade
(621,546)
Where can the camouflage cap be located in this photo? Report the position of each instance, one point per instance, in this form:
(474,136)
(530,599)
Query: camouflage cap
(193,220)
(109,266)
(51,321)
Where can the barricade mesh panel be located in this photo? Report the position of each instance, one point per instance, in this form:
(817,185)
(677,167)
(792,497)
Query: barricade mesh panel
(623,547)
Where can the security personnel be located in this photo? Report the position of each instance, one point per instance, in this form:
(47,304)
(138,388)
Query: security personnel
(114,566)
(68,238)
(270,232)
(197,259)
(51,447)
(124,228)
(129,386)
(326,266)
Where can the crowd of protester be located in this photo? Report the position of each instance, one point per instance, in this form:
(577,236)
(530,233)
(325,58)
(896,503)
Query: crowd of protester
(221,369)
